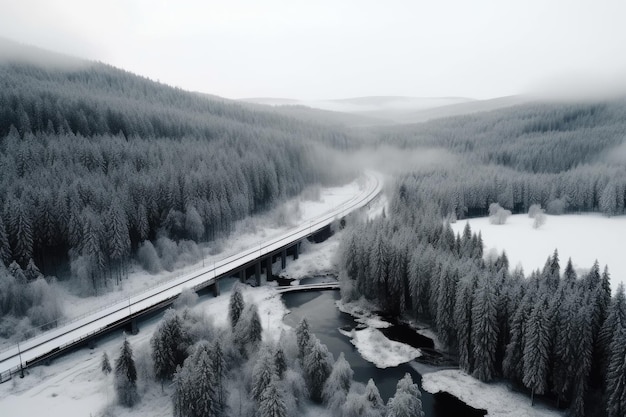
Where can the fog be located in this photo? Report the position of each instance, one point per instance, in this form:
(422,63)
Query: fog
(327,50)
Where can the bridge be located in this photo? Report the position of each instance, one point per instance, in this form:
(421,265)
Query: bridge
(308,287)
(76,332)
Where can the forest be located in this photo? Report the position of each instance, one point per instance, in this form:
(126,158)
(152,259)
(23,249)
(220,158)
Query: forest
(548,331)
(98,163)
(211,371)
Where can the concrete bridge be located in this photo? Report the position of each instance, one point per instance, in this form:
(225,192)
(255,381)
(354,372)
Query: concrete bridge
(248,263)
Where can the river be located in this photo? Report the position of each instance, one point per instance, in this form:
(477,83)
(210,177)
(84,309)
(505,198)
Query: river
(325,319)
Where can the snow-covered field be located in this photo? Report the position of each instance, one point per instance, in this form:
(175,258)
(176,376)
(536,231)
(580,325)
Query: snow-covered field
(583,237)
(496,397)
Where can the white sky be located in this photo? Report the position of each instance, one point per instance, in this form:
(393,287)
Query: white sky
(337,48)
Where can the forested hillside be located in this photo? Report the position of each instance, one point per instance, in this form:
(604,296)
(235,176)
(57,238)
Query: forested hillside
(549,330)
(566,157)
(96,160)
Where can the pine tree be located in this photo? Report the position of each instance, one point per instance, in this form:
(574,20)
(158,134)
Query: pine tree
(280,362)
(218,367)
(169,345)
(271,403)
(118,239)
(106,365)
(21,232)
(372,395)
(616,376)
(407,400)
(32,272)
(537,349)
(303,337)
(204,402)
(235,306)
(463,322)
(317,368)
(615,321)
(5,248)
(338,384)
(446,296)
(484,329)
(262,374)
(126,377)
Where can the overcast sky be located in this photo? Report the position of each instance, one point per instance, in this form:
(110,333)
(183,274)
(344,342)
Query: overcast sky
(335,49)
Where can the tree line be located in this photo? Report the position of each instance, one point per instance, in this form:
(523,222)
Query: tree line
(552,332)
(96,161)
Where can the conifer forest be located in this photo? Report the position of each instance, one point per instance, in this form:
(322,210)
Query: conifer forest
(103,171)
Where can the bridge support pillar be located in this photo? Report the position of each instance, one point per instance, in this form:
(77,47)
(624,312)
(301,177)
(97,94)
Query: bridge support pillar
(283,259)
(268,269)
(296,251)
(216,288)
(257,273)
(134,329)
(242,275)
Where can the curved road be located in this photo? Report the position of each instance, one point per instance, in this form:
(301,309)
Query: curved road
(77,331)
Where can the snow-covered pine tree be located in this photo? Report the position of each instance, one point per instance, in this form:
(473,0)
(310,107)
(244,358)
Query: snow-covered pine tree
(21,231)
(616,376)
(407,400)
(615,321)
(303,337)
(118,238)
(271,403)
(280,362)
(169,345)
(463,321)
(262,373)
(376,403)
(31,272)
(218,367)
(446,295)
(235,306)
(318,364)
(484,334)
(126,377)
(5,248)
(205,397)
(338,384)
(537,348)
(105,364)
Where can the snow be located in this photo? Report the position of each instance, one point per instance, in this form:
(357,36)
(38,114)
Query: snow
(496,397)
(73,385)
(362,311)
(582,237)
(371,343)
(376,348)
(315,259)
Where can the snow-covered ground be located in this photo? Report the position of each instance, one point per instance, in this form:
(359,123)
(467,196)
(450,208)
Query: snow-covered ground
(582,237)
(496,397)
(371,343)
(74,385)
(376,348)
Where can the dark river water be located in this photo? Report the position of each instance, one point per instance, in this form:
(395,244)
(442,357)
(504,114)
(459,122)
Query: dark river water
(325,319)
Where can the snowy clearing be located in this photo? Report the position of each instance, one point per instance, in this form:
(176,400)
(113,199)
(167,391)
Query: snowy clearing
(583,237)
(376,348)
(496,398)
(315,259)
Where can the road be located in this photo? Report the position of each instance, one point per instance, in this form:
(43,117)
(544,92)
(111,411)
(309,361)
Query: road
(77,331)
